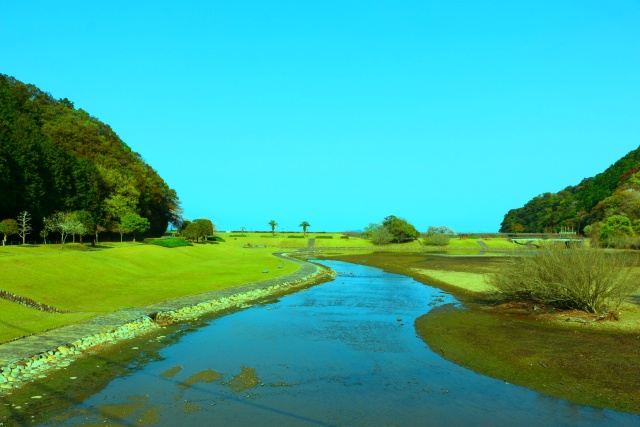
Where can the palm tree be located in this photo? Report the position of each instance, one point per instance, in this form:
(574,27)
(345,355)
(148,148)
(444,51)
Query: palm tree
(243,229)
(273,225)
(304,225)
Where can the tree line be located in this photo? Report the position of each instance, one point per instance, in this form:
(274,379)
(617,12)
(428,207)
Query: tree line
(55,158)
(77,223)
(616,191)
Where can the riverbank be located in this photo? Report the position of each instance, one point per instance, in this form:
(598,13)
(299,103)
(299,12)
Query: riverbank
(30,358)
(585,361)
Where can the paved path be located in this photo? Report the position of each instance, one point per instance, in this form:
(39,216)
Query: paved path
(38,343)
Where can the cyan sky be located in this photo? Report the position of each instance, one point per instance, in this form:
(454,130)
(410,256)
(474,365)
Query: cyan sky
(340,113)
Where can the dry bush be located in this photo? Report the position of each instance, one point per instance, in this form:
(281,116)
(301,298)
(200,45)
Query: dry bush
(588,279)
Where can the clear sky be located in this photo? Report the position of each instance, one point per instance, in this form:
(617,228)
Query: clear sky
(340,113)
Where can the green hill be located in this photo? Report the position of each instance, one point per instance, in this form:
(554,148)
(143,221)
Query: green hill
(616,191)
(54,157)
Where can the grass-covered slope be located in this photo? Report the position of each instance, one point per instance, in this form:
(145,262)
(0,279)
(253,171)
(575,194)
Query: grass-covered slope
(92,282)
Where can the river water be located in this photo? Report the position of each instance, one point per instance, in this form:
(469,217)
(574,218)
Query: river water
(343,353)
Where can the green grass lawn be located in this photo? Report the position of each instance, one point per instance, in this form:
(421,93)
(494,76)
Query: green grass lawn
(89,281)
(281,240)
(17,320)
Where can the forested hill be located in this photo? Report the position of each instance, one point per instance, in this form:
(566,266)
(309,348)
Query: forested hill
(616,191)
(54,157)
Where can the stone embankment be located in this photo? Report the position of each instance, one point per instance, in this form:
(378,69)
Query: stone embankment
(30,358)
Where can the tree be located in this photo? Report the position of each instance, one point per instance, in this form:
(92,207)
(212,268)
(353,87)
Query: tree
(117,227)
(616,228)
(438,236)
(304,225)
(381,236)
(88,223)
(441,230)
(202,228)
(400,229)
(273,225)
(191,231)
(64,223)
(44,233)
(243,229)
(134,223)
(99,229)
(516,227)
(7,228)
(24,226)
(57,158)
(370,229)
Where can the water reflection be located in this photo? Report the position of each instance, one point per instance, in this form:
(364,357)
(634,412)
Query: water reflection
(343,353)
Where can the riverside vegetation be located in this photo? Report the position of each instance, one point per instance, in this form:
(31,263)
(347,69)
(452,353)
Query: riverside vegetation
(586,358)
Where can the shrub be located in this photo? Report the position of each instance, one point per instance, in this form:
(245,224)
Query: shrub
(215,239)
(170,243)
(381,236)
(588,279)
(296,237)
(324,237)
(436,240)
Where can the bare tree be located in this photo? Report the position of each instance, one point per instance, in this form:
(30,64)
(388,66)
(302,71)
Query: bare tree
(24,228)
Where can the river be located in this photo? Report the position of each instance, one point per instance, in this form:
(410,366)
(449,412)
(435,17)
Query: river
(343,353)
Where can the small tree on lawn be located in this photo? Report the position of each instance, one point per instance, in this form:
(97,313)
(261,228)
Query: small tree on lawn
(304,225)
(381,236)
(24,228)
(117,227)
(7,228)
(438,236)
(243,229)
(400,229)
(205,228)
(64,223)
(273,225)
(86,219)
(44,233)
(135,224)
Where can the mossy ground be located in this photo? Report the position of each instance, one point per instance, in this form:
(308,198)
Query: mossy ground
(593,363)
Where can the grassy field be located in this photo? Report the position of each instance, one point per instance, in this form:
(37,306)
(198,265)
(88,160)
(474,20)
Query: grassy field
(89,282)
(338,240)
(298,240)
